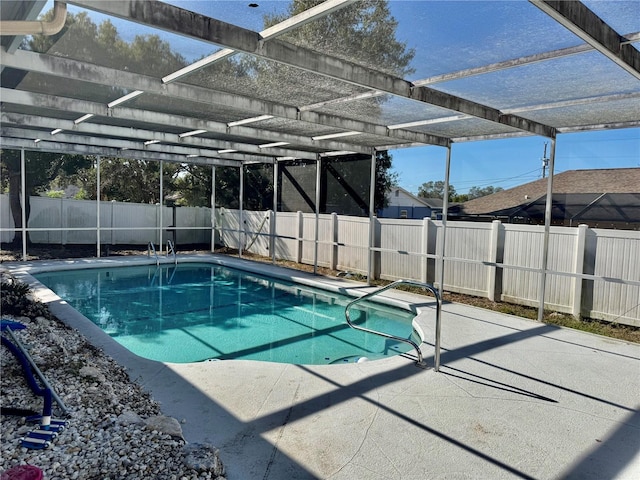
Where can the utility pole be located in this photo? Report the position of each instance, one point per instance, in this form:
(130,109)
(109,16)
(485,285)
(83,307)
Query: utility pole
(545,161)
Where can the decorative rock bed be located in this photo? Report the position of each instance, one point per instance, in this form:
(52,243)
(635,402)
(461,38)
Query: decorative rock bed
(115,431)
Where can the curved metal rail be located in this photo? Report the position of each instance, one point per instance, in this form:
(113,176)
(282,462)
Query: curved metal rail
(171,249)
(152,248)
(432,289)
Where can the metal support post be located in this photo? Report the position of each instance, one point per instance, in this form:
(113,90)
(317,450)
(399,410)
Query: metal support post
(372,230)
(240,220)
(213,208)
(98,206)
(23,199)
(547,228)
(161,205)
(315,245)
(445,212)
(272,241)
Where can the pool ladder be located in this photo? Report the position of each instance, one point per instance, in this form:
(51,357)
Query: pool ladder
(420,363)
(170,250)
(152,248)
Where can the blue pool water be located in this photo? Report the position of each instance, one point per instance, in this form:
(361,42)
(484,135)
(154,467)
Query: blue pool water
(195,312)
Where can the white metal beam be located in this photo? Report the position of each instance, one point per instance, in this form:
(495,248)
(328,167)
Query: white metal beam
(581,21)
(469,72)
(104,133)
(291,23)
(39,100)
(68,68)
(71,148)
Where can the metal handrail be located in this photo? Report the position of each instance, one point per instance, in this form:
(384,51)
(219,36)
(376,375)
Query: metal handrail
(171,248)
(152,248)
(432,289)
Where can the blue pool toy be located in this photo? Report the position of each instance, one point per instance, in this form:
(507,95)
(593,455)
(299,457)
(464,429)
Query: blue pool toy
(48,427)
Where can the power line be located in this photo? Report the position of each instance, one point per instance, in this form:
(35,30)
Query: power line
(489,181)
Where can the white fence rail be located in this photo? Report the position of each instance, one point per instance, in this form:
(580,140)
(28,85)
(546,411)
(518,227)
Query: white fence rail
(590,272)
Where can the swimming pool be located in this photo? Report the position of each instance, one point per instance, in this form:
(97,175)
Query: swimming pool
(194,312)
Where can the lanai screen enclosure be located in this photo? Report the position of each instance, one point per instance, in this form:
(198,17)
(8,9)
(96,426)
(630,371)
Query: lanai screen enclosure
(308,83)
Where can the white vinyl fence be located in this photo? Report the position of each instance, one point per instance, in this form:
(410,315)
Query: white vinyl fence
(590,272)
(68,221)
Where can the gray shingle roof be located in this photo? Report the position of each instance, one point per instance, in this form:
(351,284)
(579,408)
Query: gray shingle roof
(610,180)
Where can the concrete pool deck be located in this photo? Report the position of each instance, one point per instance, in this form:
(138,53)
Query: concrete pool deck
(513,399)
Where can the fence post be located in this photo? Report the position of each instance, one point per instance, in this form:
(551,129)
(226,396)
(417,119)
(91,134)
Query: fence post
(63,222)
(424,249)
(496,249)
(300,230)
(113,238)
(578,267)
(223,233)
(376,254)
(272,235)
(334,239)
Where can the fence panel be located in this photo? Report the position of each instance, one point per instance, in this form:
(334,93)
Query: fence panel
(561,258)
(256,225)
(6,220)
(229,225)
(353,240)
(325,239)
(132,216)
(523,248)
(287,232)
(470,241)
(309,235)
(614,254)
(404,236)
(47,213)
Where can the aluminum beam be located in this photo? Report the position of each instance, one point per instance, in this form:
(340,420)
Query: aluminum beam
(581,21)
(57,147)
(68,68)
(179,153)
(166,17)
(40,100)
(287,25)
(137,136)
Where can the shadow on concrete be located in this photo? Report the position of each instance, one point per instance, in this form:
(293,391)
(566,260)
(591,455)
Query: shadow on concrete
(610,455)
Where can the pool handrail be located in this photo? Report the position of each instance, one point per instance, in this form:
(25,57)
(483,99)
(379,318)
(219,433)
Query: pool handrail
(433,290)
(171,249)
(152,248)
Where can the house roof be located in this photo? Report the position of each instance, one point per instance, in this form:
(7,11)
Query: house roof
(599,181)
(427,202)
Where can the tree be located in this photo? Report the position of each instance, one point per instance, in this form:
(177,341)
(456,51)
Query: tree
(365,31)
(436,190)
(477,192)
(386,179)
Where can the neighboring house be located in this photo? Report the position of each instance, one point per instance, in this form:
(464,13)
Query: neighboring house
(602,198)
(404,204)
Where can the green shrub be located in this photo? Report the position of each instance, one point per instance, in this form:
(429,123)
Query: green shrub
(55,193)
(15,301)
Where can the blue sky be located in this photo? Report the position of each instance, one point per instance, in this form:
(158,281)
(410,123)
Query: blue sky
(507,163)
